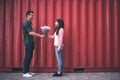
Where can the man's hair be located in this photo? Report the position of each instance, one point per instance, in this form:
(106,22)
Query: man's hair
(29,12)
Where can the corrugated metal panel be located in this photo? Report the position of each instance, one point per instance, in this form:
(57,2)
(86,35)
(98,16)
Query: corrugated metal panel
(91,33)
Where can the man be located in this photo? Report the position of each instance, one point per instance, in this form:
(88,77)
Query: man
(28,42)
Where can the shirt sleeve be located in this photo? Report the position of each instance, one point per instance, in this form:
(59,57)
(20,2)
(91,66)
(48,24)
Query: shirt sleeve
(60,35)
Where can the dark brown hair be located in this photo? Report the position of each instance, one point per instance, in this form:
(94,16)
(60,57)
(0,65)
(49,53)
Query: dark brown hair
(61,25)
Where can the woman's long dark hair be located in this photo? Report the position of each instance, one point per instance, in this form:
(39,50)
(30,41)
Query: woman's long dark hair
(61,25)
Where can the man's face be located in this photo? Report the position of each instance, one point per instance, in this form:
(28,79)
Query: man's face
(30,16)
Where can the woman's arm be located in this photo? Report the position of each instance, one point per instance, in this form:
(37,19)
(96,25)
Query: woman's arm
(60,40)
(51,36)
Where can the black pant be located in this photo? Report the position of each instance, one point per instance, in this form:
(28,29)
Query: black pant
(28,56)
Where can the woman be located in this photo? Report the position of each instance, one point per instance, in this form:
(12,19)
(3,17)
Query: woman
(58,43)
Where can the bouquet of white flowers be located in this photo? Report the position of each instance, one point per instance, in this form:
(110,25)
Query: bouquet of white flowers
(44,29)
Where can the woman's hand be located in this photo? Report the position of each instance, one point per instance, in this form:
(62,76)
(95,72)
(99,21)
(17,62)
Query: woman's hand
(59,49)
(50,36)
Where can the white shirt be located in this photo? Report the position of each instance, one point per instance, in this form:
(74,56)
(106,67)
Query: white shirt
(58,39)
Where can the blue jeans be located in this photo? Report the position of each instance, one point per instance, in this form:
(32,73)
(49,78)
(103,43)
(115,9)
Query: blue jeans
(59,58)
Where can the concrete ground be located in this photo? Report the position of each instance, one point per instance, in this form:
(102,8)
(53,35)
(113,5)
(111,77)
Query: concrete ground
(66,76)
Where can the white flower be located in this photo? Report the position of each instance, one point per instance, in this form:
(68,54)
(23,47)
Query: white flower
(45,29)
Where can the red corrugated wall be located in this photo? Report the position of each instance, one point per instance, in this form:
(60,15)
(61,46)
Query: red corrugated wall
(92,34)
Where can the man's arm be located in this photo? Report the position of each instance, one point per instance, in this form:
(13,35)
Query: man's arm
(30,31)
(35,34)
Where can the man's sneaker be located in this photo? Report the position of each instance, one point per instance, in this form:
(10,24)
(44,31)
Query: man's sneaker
(27,75)
(31,73)
(57,75)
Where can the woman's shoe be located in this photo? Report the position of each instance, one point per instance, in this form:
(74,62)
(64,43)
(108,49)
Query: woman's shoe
(57,75)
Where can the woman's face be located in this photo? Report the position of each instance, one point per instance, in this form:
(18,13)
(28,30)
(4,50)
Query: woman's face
(56,24)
